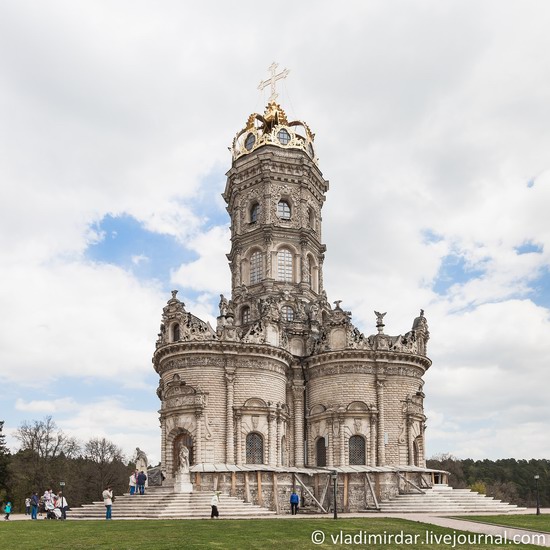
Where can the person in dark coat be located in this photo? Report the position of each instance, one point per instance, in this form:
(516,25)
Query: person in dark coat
(141,479)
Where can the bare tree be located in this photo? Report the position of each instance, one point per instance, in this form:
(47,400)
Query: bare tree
(46,440)
(108,460)
(102,451)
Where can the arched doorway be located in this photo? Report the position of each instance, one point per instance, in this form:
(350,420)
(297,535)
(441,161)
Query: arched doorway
(183,438)
(321,451)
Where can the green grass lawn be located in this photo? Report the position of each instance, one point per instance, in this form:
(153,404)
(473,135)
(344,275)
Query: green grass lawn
(232,534)
(535,523)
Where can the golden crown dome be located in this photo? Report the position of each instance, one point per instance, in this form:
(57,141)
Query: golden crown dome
(273,128)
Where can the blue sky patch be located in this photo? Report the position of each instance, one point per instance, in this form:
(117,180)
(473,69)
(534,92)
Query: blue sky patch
(541,289)
(127,244)
(454,270)
(528,248)
(429,236)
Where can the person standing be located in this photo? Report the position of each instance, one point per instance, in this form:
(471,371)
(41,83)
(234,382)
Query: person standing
(7,509)
(294,501)
(141,479)
(108,501)
(133,482)
(34,505)
(61,503)
(214,503)
(28,506)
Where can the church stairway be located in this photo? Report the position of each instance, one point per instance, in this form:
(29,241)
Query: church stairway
(164,503)
(442,499)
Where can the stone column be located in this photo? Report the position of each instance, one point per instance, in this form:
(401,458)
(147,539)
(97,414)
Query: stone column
(381,428)
(298,394)
(410,441)
(303,266)
(237,267)
(239,420)
(198,458)
(278,448)
(342,442)
(330,442)
(321,283)
(272,437)
(373,421)
(229,420)
(163,454)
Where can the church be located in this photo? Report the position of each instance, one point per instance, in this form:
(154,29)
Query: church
(285,392)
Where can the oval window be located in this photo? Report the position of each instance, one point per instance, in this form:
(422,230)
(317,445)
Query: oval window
(283,136)
(250,141)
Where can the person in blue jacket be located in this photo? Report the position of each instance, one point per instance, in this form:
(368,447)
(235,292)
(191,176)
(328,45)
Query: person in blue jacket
(294,501)
(7,510)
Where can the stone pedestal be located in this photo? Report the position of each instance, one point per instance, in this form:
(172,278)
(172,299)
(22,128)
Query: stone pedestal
(183,483)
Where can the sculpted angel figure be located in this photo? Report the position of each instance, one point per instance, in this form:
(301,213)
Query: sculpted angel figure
(379,317)
(184,459)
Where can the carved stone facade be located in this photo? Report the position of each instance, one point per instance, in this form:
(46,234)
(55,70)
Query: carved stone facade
(285,380)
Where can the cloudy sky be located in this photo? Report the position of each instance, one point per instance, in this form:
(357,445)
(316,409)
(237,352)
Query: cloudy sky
(432,123)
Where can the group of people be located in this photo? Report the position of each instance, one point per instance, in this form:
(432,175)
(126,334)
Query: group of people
(52,505)
(137,482)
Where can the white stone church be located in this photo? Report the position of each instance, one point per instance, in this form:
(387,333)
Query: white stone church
(285,390)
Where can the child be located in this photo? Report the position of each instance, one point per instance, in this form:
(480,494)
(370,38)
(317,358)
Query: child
(7,509)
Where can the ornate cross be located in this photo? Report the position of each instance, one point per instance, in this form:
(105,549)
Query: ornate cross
(273,80)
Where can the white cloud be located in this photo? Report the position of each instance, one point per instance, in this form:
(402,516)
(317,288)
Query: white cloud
(46,406)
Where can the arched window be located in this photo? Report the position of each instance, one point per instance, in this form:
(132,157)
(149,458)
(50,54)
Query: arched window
(245,315)
(254,448)
(321,452)
(357,455)
(287,313)
(255,213)
(284,265)
(283,210)
(175,332)
(256,267)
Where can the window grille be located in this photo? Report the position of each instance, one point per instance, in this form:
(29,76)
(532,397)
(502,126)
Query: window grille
(256,267)
(283,210)
(283,136)
(284,265)
(287,313)
(254,449)
(245,315)
(357,450)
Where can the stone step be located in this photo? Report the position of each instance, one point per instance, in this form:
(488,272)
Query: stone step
(444,499)
(170,505)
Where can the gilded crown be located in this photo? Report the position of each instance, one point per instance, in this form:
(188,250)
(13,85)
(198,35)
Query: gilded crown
(273,128)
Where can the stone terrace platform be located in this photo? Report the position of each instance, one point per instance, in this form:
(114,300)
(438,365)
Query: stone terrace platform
(164,503)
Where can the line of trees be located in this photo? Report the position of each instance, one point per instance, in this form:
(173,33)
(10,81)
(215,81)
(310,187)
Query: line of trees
(506,479)
(48,457)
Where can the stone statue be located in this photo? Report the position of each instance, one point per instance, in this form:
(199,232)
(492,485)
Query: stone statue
(379,318)
(223,305)
(183,460)
(141,460)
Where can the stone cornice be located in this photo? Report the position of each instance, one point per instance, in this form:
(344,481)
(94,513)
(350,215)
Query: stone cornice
(222,349)
(378,357)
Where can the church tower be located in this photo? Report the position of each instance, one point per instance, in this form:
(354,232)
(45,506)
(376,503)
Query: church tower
(275,193)
(285,384)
